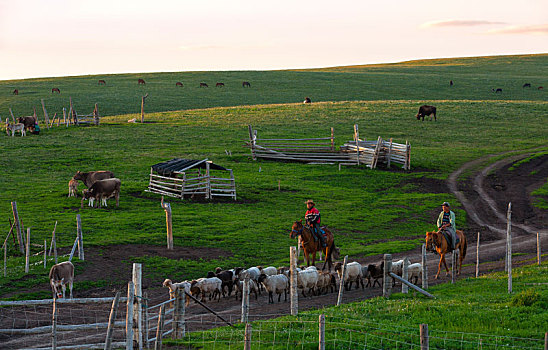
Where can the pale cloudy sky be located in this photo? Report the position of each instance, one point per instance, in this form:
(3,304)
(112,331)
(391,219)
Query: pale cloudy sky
(41,38)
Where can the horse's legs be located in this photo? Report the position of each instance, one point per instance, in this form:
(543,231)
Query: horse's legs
(313,259)
(439,266)
(445,264)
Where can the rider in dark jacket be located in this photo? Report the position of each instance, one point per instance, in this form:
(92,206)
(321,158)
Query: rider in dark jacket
(313,219)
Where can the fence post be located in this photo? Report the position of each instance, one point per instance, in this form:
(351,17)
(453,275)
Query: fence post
(145,320)
(293,295)
(509,246)
(18,226)
(424,268)
(179,315)
(46,116)
(341,281)
(111,320)
(45,253)
(386,279)
(73,248)
(143,107)
(322,332)
(245,300)
(27,251)
(424,336)
(54,326)
(357,138)
(160,328)
(546,341)
(453,265)
(247,337)
(538,249)
(405,275)
(80,237)
(5,259)
(129,316)
(137,305)
(167,208)
(477,255)
(332,140)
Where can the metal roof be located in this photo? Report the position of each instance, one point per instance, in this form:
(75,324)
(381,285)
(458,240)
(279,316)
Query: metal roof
(180,165)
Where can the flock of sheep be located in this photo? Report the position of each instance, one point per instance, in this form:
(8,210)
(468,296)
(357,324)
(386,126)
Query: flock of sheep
(310,280)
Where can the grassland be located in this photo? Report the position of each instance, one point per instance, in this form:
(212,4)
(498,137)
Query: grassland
(371,212)
(463,316)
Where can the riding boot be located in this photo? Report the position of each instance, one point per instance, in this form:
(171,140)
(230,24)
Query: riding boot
(320,236)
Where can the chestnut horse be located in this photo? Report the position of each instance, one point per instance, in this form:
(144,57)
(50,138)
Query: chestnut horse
(435,241)
(179,84)
(16,92)
(310,246)
(102,82)
(55,90)
(141,82)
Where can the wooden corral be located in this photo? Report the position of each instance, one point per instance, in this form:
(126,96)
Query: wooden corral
(321,150)
(82,119)
(189,178)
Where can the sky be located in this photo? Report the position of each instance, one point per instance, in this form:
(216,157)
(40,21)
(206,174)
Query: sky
(44,38)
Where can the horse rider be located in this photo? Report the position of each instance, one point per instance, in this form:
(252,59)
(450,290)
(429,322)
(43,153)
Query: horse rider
(312,217)
(446,222)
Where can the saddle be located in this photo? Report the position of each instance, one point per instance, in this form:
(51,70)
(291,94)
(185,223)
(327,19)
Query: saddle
(449,238)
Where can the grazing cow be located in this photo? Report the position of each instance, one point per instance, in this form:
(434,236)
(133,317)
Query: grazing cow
(102,190)
(497,90)
(526,85)
(179,84)
(450,82)
(203,85)
(220,85)
(89,178)
(55,90)
(73,188)
(16,92)
(29,121)
(102,82)
(15,127)
(540,88)
(426,110)
(246,84)
(307,100)
(141,82)
(59,276)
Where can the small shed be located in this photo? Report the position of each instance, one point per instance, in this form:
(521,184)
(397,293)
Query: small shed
(190,178)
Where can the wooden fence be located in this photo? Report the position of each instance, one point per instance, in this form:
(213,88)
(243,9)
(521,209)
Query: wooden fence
(321,150)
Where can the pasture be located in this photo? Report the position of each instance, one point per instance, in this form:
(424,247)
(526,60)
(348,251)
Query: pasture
(370,212)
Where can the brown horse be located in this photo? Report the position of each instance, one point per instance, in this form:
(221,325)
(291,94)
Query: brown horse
(141,82)
(220,85)
(102,82)
(203,85)
(435,241)
(246,84)
(179,84)
(310,246)
(55,90)
(16,92)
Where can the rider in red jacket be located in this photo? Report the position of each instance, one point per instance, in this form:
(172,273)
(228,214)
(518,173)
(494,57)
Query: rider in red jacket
(312,217)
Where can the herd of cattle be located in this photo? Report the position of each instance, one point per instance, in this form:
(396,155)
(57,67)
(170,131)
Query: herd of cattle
(23,125)
(273,280)
(142,82)
(101,185)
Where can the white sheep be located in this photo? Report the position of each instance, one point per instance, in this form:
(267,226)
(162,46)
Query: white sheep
(253,288)
(414,271)
(307,279)
(269,271)
(275,284)
(206,286)
(173,287)
(353,274)
(366,274)
(326,281)
(397,268)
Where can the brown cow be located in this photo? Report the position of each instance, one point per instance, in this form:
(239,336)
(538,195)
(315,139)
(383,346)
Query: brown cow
(16,92)
(89,178)
(141,82)
(102,190)
(102,82)
(540,88)
(220,85)
(246,84)
(60,275)
(179,84)
(29,121)
(426,110)
(55,90)
(203,85)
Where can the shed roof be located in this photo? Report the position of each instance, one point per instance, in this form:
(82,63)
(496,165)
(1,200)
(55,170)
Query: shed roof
(180,165)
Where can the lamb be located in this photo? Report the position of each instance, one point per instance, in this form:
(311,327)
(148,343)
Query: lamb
(206,286)
(253,273)
(15,127)
(227,277)
(326,281)
(397,268)
(269,271)
(307,279)
(353,274)
(275,284)
(366,274)
(173,287)
(376,273)
(253,288)
(414,271)
(73,188)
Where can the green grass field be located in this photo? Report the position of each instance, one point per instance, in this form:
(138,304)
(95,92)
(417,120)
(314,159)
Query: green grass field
(370,211)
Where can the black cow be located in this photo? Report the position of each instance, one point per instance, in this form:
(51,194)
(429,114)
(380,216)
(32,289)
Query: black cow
(526,85)
(426,110)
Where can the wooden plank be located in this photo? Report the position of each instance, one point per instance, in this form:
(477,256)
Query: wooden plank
(420,290)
